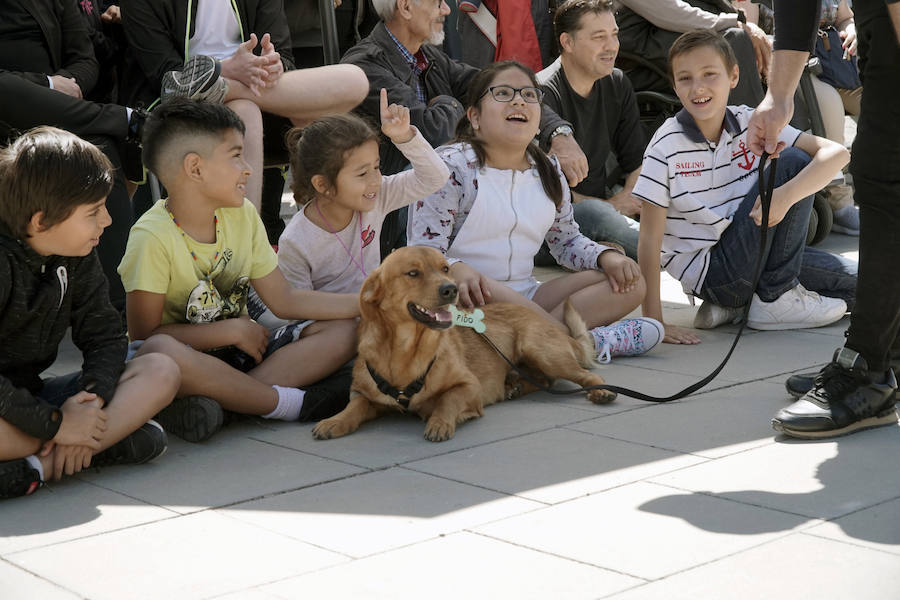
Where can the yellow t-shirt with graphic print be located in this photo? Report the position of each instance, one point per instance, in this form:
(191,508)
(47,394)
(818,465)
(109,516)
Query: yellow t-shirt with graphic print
(158,260)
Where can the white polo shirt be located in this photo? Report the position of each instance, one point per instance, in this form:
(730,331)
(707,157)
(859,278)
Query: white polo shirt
(701,184)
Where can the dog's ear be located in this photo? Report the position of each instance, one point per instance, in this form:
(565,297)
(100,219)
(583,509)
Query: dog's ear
(371,294)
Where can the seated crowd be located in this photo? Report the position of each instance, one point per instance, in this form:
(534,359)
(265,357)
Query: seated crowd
(499,168)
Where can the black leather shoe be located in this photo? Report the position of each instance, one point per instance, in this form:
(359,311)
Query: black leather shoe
(798,385)
(843,399)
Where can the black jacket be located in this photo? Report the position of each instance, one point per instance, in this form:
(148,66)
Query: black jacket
(40,297)
(68,41)
(156,31)
(446,84)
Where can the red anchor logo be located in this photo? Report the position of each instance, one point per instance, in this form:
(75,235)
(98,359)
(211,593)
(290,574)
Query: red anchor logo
(749,161)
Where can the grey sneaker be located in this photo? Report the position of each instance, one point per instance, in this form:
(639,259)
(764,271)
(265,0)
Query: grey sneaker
(192,418)
(710,316)
(199,79)
(143,445)
(843,400)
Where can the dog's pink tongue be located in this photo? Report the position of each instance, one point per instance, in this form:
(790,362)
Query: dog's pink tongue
(443,316)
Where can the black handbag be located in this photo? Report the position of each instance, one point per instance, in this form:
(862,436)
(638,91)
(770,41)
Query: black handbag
(836,70)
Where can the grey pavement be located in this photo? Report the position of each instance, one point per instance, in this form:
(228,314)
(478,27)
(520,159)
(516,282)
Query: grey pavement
(540,498)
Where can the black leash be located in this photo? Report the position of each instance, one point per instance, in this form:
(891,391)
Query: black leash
(765,194)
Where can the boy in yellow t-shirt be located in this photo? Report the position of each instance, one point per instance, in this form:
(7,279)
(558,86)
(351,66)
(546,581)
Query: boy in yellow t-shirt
(187,270)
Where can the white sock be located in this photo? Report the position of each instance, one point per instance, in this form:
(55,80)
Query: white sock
(290,401)
(35,463)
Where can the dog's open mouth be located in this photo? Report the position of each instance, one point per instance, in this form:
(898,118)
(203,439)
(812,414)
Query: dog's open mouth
(435,319)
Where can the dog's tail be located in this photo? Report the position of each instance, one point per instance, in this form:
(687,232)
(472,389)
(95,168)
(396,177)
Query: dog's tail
(582,340)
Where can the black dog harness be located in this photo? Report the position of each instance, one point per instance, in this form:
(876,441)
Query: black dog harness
(404,395)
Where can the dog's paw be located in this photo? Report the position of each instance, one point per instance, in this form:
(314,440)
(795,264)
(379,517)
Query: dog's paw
(439,431)
(331,428)
(601,396)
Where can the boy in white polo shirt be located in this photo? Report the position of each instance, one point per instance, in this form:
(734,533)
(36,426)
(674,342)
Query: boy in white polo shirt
(701,213)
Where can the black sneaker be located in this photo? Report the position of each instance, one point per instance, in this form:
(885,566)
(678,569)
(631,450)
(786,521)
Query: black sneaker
(844,399)
(192,418)
(326,398)
(199,79)
(797,385)
(143,445)
(17,478)
(132,150)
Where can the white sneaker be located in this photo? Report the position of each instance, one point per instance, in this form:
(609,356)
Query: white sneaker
(628,337)
(710,316)
(797,308)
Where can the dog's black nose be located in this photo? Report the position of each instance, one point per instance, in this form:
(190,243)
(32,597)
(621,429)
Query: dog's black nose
(448,292)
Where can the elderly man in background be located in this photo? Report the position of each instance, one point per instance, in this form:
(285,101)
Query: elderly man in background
(402,56)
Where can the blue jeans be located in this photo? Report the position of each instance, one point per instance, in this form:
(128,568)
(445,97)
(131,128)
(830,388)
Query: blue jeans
(599,221)
(787,260)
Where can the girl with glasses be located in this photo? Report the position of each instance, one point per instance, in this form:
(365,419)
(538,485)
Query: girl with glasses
(505,196)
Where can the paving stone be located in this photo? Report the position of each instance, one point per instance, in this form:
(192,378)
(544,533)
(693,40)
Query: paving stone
(799,566)
(824,480)
(19,584)
(193,556)
(462,565)
(553,466)
(228,468)
(378,511)
(620,530)
(398,439)
(69,510)
(711,424)
(877,527)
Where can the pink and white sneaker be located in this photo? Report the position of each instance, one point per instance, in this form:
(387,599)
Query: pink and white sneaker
(628,337)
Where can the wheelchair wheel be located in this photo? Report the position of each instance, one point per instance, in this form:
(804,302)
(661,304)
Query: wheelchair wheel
(820,220)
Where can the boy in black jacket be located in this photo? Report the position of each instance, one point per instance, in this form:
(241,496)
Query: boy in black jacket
(53,188)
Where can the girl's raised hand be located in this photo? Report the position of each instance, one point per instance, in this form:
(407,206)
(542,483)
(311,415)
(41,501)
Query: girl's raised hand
(395,121)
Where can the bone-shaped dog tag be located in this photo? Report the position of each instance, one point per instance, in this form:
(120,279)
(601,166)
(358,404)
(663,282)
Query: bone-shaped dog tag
(474,319)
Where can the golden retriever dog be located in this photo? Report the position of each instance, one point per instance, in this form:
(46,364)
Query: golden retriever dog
(411,358)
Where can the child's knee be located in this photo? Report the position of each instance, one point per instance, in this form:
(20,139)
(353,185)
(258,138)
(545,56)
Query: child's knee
(164,344)
(15,443)
(164,371)
(792,161)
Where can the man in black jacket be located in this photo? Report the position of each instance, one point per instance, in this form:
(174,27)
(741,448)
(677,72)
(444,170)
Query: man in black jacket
(857,390)
(50,280)
(402,56)
(47,66)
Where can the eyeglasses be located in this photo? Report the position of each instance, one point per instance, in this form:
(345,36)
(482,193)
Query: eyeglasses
(506,93)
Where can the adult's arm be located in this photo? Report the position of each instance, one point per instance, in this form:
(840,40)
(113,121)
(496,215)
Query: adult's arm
(894,11)
(795,26)
(96,329)
(270,18)
(676,15)
(18,407)
(77,59)
(148,30)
